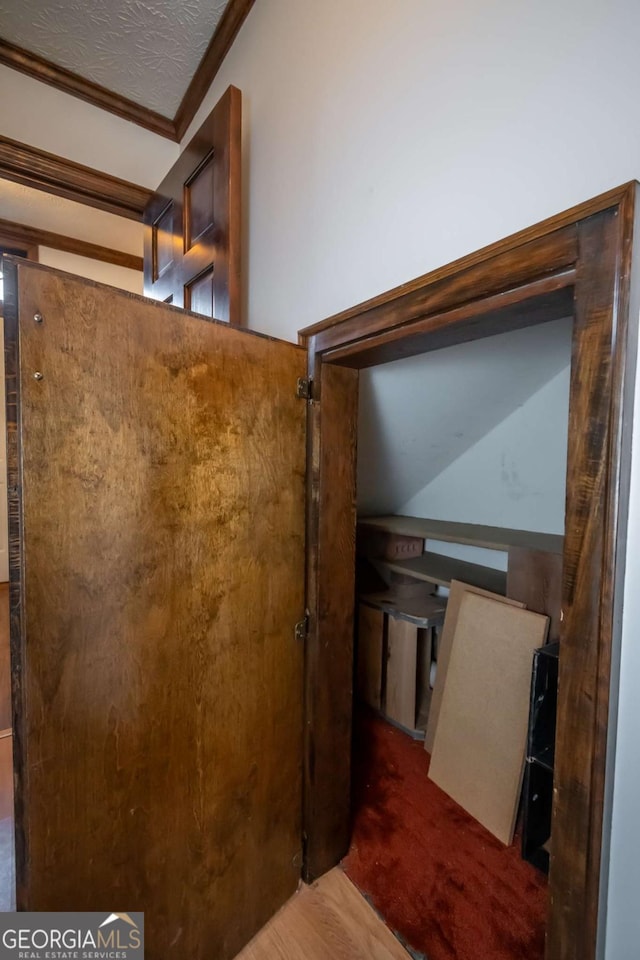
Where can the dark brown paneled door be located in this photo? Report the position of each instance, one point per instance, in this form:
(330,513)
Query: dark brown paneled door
(156,475)
(192,223)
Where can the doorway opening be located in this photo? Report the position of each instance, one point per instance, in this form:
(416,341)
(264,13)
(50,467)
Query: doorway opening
(582,263)
(462,454)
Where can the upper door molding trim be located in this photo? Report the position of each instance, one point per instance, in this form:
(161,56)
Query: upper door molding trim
(36,168)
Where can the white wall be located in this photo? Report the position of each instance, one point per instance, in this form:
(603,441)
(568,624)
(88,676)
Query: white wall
(418,416)
(514,476)
(385,139)
(44,117)
(92,269)
(624,880)
(34,208)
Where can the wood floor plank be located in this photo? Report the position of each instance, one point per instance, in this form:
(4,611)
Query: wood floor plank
(329,920)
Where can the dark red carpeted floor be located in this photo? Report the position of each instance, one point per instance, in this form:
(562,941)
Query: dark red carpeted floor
(439,879)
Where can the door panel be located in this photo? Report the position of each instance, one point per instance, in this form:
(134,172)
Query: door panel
(192,222)
(157,572)
(4,536)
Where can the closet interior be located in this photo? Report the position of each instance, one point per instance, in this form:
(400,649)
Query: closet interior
(461,481)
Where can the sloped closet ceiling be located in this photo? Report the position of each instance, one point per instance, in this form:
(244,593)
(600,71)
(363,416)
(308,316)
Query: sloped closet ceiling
(145,50)
(418,416)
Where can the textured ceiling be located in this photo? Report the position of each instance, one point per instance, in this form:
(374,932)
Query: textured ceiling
(145,50)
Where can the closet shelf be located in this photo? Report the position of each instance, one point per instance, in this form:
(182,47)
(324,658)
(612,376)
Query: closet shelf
(435,568)
(473,534)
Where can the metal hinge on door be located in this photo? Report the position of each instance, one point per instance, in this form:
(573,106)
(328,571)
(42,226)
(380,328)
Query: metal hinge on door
(304,389)
(302,628)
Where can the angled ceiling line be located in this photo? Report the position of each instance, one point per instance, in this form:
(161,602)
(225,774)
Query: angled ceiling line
(17,58)
(234,15)
(36,168)
(172,128)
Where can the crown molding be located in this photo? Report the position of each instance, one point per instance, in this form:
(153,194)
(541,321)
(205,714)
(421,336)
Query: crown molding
(40,69)
(25,164)
(172,128)
(225,33)
(34,237)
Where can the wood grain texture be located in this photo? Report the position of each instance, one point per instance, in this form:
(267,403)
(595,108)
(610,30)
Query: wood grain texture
(587,630)
(23,163)
(157,556)
(5,660)
(535,577)
(225,33)
(369,657)
(441,570)
(34,237)
(15,247)
(218,142)
(479,749)
(15,528)
(330,920)
(6,780)
(474,534)
(606,263)
(47,72)
(331,519)
(401,677)
(445,643)
(546,228)
(509,270)
(7,872)
(420,328)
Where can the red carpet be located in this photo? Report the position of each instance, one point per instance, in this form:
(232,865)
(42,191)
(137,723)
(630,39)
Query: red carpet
(439,879)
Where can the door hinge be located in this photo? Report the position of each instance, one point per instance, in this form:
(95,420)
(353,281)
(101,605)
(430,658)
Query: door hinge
(302,628)
(304,389)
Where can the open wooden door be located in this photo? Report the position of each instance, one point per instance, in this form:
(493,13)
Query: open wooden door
(192,222)
(156,475)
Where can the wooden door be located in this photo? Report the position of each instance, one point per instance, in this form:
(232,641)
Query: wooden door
(192,222)
(4,534)
(157,474)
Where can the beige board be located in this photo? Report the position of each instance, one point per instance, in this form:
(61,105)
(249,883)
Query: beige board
(402,652)
(456,593)
(369,659)
(478,754)
(437,569)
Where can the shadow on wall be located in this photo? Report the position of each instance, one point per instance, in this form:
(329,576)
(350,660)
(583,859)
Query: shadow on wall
(422,417)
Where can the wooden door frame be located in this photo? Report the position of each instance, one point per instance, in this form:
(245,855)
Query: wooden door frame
(583,263)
